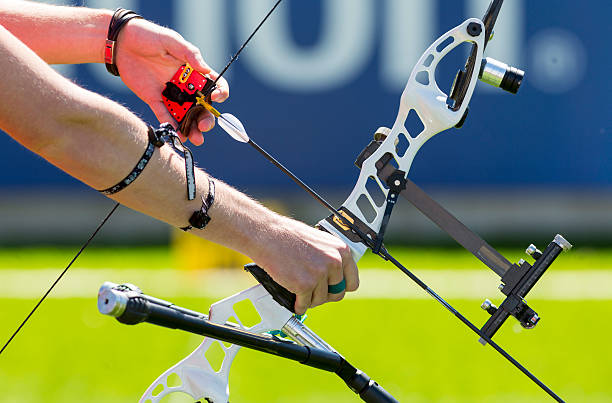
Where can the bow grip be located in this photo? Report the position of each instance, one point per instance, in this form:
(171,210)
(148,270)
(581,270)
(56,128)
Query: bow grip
(179,96)
(279,293)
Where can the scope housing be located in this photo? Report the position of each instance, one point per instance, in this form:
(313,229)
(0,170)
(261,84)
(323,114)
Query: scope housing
(501,75)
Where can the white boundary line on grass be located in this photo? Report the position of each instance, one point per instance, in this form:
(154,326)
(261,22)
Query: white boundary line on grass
(375,283)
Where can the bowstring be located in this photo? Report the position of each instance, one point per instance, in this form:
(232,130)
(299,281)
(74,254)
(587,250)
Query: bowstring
(112,211)
(91,237)
(233,59)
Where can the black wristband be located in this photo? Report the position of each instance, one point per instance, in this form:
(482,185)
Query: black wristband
(120,18)
(200,218)
(155,140)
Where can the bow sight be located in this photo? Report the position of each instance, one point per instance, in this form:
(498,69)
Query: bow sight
(491,71)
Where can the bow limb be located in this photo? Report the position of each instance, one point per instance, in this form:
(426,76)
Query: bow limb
(197,377)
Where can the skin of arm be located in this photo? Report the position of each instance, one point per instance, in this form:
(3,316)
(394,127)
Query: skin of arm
(146,54)
(99,141)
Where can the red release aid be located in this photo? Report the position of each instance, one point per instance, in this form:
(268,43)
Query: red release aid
(179,96)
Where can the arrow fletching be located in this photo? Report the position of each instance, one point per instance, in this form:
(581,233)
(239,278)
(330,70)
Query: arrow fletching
(233,127)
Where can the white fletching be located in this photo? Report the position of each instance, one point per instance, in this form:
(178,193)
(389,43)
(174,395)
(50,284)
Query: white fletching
(233,127)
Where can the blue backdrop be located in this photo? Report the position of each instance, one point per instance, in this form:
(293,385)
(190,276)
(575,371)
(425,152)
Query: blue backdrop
(323,75)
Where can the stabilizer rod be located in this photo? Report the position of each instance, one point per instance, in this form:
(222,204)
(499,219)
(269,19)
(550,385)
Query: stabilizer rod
(131,308)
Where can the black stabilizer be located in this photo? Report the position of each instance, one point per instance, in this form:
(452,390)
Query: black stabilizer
(361,384)
(144,308)
(137,311)
(279,293)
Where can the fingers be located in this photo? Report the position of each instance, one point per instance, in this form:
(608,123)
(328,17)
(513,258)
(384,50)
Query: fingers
(206,121)
(350,270)
(302,303)
(183,50)
(335,277)
(319,295)
(195,136)
(221,93)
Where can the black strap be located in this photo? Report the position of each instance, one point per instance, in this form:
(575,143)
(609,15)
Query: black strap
(200,218)
(166,130)
(158,138)
(396,182)
(155,140)
(118,21)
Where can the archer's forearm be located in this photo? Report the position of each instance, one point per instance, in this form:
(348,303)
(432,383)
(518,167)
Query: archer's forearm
(59,35)
(99,142)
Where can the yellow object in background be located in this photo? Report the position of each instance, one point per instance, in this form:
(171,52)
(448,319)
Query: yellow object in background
(192,252)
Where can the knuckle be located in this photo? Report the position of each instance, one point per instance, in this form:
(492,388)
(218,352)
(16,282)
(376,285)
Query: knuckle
(345,251)
(317,302)
(336,297)
(305,285)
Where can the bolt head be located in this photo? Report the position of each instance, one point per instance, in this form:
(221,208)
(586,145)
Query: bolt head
(521,261)
(381,133)
(531,249)
(501,287)
(562,242)
(474,29)
(486,304)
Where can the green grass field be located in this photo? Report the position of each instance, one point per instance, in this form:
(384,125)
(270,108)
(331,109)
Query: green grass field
(413,347)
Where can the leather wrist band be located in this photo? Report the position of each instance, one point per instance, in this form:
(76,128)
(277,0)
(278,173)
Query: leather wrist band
(155,140)
(120,18)
(200,218)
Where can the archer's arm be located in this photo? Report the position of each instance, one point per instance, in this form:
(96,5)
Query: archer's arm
(59,35)
(147,54)
(99,142)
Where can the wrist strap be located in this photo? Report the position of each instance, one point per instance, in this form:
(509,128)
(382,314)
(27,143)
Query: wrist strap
(120,18)
(155,140)
(158,138)
(200,218)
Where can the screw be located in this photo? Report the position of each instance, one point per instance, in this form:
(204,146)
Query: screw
(474,29)
(381,133)
(521,261)
(531,250)
(562,242)
(486,304)
(501,287)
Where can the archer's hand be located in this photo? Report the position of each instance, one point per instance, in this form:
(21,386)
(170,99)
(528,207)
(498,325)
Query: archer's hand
(305,261)
(148,56)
